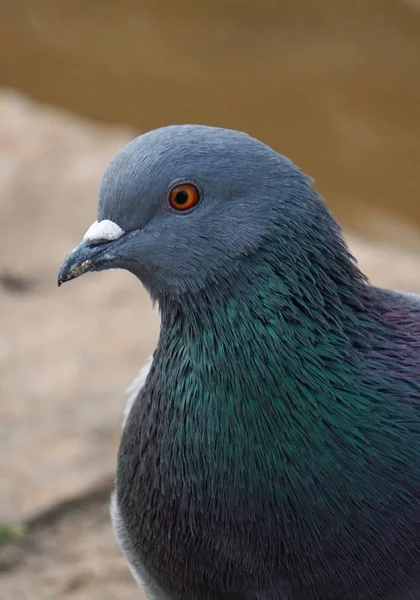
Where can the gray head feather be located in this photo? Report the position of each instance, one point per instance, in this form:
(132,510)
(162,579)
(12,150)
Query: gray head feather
(244,186)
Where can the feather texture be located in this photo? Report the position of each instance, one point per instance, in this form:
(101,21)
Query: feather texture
(273,451)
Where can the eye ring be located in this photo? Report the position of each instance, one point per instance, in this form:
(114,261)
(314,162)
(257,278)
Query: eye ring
(184,196)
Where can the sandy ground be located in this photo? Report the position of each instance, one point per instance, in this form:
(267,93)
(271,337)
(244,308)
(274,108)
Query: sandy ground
(70,553)
(67,355)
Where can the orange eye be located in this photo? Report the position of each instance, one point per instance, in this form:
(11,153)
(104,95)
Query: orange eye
(184,196)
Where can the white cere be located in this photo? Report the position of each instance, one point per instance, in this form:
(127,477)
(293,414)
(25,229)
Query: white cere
(103,230)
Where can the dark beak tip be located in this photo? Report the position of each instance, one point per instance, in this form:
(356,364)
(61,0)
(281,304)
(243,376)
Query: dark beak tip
(62,280)
(72,268)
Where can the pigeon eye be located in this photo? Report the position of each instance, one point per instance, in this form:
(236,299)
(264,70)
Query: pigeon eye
(184,196)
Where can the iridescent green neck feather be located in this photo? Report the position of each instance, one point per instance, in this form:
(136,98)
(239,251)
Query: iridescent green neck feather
(275,389)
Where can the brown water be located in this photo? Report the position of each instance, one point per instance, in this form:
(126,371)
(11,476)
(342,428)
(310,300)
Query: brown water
(333,84)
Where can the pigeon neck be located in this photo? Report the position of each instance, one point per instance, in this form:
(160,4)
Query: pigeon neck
(275,327)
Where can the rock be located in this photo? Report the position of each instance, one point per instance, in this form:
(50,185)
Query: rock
(66,355)
(389,265)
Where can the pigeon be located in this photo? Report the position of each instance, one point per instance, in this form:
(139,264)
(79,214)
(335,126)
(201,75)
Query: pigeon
(271,446)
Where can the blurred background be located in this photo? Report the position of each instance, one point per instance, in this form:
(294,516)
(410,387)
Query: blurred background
(334,85)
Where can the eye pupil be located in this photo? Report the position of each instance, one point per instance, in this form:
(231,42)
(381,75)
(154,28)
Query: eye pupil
(181,197)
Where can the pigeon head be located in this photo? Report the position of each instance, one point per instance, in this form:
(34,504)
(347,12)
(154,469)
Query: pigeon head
(182,207)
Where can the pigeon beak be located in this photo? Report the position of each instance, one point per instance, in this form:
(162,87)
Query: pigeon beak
(80,260)
(92,254)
